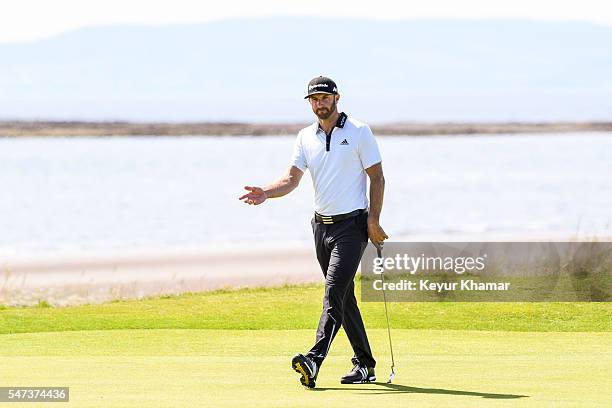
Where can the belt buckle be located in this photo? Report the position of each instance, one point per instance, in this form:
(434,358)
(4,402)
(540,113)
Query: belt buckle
(327,219)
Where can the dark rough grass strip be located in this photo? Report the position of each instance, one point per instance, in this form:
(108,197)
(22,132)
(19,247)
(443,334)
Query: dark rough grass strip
(299,307)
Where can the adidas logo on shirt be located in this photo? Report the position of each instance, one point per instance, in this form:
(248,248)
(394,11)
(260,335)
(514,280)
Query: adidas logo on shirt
(344,142)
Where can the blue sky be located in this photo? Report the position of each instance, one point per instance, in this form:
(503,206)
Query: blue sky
(25,20)
(257,69)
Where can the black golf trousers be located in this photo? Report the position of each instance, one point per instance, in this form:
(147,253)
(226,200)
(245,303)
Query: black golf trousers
(339,249)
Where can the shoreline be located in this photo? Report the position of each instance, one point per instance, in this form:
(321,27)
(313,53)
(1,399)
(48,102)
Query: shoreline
(121,128)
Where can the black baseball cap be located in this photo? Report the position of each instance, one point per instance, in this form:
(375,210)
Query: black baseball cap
(323,85)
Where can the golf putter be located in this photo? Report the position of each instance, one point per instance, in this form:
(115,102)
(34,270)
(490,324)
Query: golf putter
(382,275)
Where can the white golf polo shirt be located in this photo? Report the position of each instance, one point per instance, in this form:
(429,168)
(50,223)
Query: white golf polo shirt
(338,170)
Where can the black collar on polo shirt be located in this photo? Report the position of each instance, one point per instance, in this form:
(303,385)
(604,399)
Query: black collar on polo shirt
(339,124)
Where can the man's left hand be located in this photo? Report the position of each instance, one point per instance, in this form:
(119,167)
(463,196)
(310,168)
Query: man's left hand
(375,232)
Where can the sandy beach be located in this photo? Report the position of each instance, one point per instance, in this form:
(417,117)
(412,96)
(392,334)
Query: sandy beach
(74,279)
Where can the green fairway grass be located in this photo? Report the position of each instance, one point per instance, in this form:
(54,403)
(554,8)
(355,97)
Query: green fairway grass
(233,348)
(299,307)
(233,368)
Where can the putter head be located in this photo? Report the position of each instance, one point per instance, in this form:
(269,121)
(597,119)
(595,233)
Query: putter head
(391,377)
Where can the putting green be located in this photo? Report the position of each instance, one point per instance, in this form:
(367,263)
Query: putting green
(218,368)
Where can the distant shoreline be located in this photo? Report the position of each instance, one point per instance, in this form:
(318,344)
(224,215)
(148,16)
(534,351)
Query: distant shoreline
(81,128)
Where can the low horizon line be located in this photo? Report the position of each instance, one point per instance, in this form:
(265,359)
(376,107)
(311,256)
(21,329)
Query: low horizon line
(16,128)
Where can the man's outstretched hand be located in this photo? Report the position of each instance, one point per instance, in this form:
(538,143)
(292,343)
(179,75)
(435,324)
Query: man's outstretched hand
(255,196)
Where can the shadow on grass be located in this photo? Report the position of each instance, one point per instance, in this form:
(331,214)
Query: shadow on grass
(398,388)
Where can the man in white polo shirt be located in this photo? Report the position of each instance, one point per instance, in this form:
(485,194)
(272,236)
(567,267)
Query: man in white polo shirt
(340,152)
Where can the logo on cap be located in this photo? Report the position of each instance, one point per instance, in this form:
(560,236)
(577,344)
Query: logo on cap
(321,84)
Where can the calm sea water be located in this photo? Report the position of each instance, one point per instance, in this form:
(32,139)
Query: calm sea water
(89,194)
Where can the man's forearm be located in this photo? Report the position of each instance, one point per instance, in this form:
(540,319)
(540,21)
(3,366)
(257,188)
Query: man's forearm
(377,192)
(281,187)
